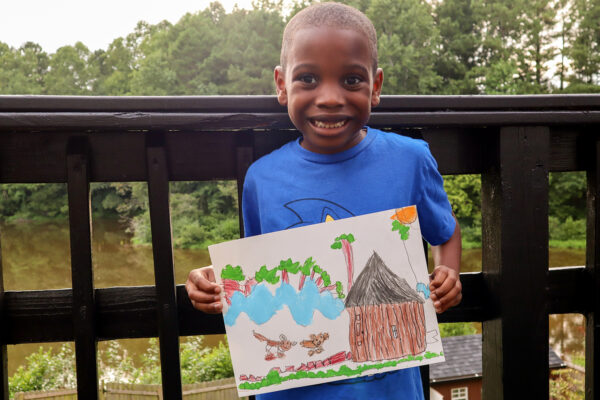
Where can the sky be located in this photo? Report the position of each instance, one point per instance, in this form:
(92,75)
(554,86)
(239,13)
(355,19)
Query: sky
(56,23)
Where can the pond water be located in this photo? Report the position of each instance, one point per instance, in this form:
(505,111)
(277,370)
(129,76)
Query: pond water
(36,256)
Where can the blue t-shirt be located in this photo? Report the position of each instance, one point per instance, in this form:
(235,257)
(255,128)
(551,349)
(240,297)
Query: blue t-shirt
(293,187)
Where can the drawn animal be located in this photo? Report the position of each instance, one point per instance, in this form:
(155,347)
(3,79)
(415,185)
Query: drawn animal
(281,346)
(315,343)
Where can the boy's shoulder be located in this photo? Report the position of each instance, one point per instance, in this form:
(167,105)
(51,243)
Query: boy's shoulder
(401,139)
(275,157)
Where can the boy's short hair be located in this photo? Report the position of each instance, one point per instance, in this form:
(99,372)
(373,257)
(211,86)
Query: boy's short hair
(334,15)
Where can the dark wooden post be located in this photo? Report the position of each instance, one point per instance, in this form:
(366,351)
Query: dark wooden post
(164,275)
(515,264)
(3,355)
(80,229)
(592,334)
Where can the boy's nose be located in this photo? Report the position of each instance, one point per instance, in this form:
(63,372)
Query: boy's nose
(329,96)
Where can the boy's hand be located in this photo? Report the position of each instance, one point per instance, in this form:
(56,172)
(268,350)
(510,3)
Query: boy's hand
(203,291)
(446,289)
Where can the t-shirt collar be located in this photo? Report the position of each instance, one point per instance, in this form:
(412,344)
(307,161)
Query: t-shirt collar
(336,157)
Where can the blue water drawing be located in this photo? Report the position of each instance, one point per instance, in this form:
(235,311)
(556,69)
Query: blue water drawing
(423,288)
(261,305)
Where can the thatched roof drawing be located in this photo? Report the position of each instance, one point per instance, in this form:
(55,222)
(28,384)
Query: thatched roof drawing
(377,284)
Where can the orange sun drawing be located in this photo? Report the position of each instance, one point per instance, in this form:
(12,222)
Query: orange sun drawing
(406,215)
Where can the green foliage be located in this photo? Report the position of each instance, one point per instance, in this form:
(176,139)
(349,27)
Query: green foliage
(268,275)
(307,266)
(569,229)
(326,278)
(337,244)
(401,228)
(339,288)
(232,273)
(566,384)
(45,371)
(289,266)
(408,39)
(273,377)
(198,363)
(567,195)
(457,329)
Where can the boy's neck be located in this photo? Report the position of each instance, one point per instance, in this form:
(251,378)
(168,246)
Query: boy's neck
(356,139)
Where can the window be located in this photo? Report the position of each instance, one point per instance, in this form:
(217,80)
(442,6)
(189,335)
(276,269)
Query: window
(460,393)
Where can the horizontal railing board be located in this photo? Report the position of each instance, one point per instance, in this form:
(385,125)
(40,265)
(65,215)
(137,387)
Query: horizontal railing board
(130,312)
(135,121)
(27,157)
(214,104)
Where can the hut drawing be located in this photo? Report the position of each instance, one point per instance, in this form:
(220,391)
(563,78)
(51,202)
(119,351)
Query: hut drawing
(387,319)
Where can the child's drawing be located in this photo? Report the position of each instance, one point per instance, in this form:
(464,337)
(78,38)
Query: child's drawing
(351,297)
(315,343)
(281,346)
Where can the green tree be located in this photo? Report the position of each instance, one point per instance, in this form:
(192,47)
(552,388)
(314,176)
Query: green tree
(458,26)
(68,71)
(112,69)
(408,42)
(585,50)
(154,75)
(537,47)
(22,70)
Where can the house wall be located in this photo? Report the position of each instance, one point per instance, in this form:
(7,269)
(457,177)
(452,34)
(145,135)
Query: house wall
(386,331)
(473,385)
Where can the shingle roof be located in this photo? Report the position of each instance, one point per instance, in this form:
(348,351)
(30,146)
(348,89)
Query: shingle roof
(463,359)
(377,284)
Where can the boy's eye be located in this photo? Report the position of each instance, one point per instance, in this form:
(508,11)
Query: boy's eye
(307,78)
(352,80)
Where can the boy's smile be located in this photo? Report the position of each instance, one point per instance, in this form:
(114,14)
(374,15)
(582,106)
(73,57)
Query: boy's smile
(329,87)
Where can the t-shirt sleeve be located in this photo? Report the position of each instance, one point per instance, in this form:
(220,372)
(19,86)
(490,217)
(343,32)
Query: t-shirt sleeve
(435,213)
(250,210)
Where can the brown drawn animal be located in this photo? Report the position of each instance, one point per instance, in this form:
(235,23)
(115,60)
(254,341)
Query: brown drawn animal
(282,345)
(315,343)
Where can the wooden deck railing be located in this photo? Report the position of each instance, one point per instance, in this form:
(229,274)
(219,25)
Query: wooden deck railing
(513,142)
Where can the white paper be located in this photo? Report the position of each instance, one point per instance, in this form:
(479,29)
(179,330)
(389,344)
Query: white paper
(281,336)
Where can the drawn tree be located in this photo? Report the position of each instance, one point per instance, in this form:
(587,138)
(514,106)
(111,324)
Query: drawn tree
(305,270)
(288,267)
(231,281)
(402,218)
(344,242)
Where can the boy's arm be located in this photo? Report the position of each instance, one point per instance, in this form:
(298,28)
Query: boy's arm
(445,286)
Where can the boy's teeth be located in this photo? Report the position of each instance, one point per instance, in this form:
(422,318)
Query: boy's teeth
(329,125)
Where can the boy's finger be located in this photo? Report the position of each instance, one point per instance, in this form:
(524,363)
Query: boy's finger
(203,297)
(452,298)
(447,286)
(437,278)
(203,284)
(211,308)
(447,302)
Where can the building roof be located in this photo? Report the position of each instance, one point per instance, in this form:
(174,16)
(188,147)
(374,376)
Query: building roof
(463,359)
(377,284)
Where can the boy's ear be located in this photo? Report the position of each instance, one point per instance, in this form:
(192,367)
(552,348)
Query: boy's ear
(377,83)
(280,86)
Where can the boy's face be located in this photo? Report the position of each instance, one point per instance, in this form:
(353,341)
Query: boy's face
(328,87)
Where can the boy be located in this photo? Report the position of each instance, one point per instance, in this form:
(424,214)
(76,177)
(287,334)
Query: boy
(329,80)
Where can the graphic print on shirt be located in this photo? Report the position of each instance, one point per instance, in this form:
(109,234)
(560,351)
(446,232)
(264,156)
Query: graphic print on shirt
(313,211)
